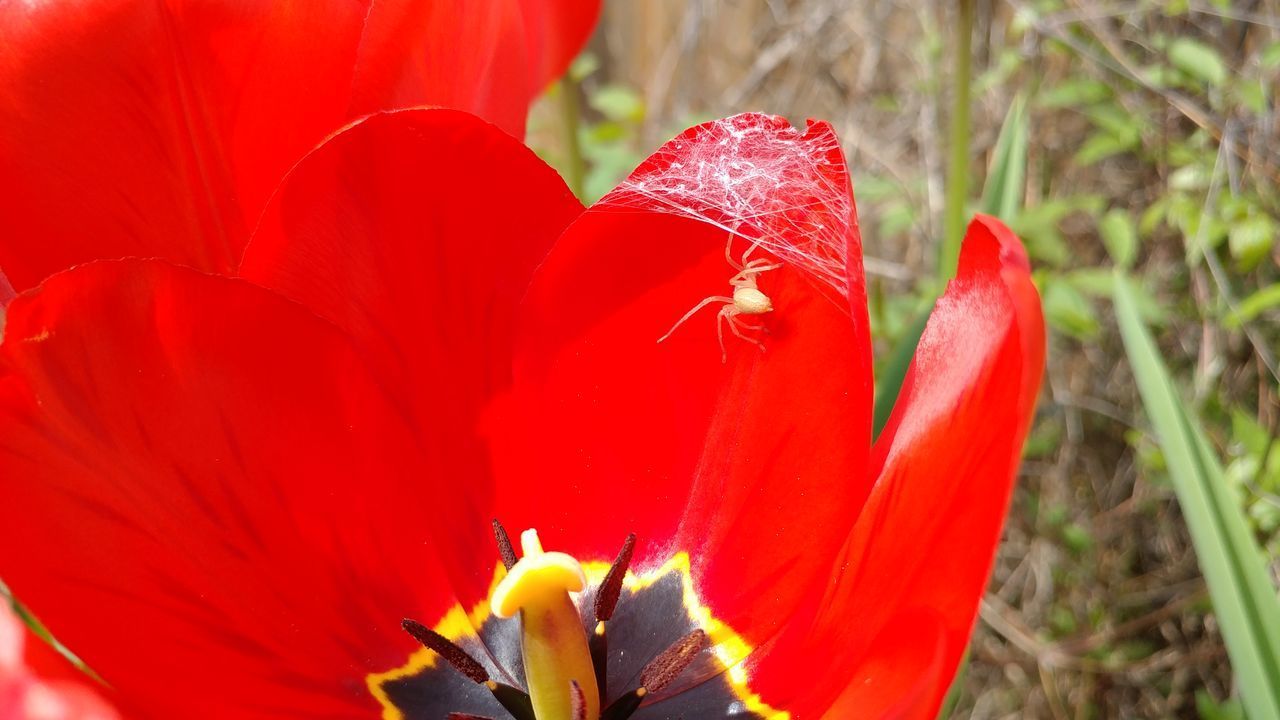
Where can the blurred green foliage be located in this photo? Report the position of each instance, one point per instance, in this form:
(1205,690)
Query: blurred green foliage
(1179,128)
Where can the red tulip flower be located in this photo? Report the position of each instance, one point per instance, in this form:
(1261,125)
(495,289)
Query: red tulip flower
(160,129)
(232,497)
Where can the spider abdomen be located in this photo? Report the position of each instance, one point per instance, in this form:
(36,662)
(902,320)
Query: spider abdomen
(750,301)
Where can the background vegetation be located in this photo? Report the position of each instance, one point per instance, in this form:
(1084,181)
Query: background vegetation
(1151,140)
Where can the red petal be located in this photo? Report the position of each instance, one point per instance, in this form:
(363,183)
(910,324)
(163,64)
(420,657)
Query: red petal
(925,540)
(231,518)
(753,466)
(499,54)
(417,232)
(161,129)
(898,678)
(555,31)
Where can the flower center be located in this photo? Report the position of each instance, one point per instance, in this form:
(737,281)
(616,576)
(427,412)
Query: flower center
(588,643)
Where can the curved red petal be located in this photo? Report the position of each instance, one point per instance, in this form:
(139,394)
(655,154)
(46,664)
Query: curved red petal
(417,232)
(161,129)
(899,676)
(925,540)
(499,55)
(208,498)
(556,30)
(753,465)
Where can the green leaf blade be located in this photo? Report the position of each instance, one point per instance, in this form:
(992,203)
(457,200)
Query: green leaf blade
(1244,600)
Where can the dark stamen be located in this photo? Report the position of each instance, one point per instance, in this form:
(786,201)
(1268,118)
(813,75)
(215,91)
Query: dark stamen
(515,700)
(611,588)
(667,667)
(452,654)
(467,716)
(577,701)
(504,544)
(625,706)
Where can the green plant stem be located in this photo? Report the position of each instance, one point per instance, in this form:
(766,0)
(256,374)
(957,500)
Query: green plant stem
(575,167)
(958,172)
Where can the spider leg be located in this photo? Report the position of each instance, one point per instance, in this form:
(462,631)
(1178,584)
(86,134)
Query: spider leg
(705,302)
(725,315)
(728,254)
(746,253)
(736,327)
(762,265)
(747,278)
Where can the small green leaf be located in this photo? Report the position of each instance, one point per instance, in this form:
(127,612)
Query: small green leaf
(896,218)
(877,188)
(1118,131)
(1094,282)
(1069,311)
(1250,239)
(1102,145)
(1075,93)
(1189,177)
(1271,56)
(1037,225)
(1120,237)
(618,103)
(1161,76)
(1062,622)
(1249,432)
(1006,181)
(1198,60)
(1209,709)
(1254,305)
(1114,119)
(1076,538)
(1252,94)
(583,66)
(1153,216)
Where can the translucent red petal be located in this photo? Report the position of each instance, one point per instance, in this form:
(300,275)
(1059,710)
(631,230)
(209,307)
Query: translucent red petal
(227,498)
(161,128)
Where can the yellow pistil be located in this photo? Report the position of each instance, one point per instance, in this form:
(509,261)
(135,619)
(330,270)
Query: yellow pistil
(554,643)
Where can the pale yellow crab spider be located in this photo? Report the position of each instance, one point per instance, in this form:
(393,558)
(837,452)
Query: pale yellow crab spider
(747,299)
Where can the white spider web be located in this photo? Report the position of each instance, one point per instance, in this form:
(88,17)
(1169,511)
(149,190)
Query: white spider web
(757,177)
